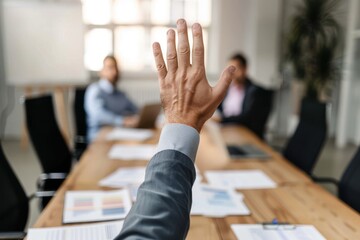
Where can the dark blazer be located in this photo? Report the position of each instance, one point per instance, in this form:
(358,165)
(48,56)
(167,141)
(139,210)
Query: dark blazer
(256,109)
(162,208)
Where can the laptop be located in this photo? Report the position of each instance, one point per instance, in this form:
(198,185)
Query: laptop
(246,151)
(148,115)
(235,151)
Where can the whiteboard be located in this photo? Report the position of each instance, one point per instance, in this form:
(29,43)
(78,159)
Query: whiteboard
(43,42)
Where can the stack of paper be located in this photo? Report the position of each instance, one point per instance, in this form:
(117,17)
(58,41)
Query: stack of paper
(132,152)
(88,206)
(124,177)
(97,231)
(217,202)
(240,179)
(258,232)
(129,134)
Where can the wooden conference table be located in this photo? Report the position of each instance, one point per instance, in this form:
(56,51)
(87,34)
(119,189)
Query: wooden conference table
(296,200)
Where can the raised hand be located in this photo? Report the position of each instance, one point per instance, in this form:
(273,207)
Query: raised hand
(185,93)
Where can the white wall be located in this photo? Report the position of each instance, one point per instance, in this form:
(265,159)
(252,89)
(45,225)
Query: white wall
(251,27)
(45,40)
(4,90)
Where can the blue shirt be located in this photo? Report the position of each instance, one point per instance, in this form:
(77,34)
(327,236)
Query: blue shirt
(105,105)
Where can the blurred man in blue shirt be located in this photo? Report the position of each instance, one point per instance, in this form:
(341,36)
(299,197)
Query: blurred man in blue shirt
(105,104)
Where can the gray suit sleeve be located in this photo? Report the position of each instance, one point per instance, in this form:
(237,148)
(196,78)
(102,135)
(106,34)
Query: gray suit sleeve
(162,208)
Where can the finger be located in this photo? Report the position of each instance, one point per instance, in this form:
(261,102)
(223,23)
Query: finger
(159,61)
(198,47)
(223,84)
(183,44)
(172,63)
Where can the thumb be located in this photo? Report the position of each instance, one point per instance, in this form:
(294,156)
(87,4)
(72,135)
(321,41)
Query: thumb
(224,83)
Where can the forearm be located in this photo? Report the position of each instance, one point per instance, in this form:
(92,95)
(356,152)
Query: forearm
(164,199)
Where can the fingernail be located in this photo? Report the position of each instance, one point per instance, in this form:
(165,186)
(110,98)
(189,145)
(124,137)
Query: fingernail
(180,21)
(196,26)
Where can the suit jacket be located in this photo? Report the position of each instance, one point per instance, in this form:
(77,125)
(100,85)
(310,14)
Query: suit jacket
(256,108)
(162,208)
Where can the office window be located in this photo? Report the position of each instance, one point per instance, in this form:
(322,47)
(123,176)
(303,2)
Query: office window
(127,28)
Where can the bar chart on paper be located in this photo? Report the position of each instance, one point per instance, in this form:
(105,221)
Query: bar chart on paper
(89,206)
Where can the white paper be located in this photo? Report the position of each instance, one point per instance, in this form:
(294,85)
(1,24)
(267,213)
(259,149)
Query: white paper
(132,152)
(96,231)
(257,232)
(199,177)
(240,179)
(88,206)
(124,177)
(217,202)
(129,134)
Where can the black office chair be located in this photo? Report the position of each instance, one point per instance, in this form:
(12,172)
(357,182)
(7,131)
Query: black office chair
(264,103)
(49,144)
(308,140)
(14,205)
(80,141)
(349,184)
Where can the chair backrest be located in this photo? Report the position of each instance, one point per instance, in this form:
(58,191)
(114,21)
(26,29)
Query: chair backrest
(349,186)
(308,140)
(256,107)
(79,112)
(48,142)
(14,205)
(262,108)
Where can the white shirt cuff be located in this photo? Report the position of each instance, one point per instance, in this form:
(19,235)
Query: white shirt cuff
(179,137)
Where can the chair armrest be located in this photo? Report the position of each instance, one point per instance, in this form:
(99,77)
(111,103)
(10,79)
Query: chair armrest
(326,180)
(80,139)
(12,235)
(49,176)
(41,194)
(277,148)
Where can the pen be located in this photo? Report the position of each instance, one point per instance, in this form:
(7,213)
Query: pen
(275,224)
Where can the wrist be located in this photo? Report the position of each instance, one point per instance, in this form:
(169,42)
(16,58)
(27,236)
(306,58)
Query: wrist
(190,121)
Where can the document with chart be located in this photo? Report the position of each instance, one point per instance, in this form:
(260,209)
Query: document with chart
(124,177)
(95,231)
(259,232)
(217,202)
(132,152)
(129,134)
(240,179)
(92,206)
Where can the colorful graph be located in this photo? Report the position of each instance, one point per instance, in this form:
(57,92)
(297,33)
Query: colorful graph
(86,206)
(112,205)
(82,206)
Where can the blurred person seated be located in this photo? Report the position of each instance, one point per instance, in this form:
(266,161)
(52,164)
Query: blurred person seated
(105,105)
(245,103)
